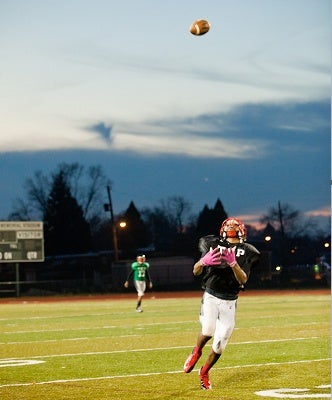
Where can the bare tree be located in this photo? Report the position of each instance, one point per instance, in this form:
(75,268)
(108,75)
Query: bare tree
(21,211)
(86,186)
(177,210)
(288,221)
(94,191)
(38,189)
(32,207)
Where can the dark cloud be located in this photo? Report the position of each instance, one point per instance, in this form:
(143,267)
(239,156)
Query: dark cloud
(102,129)
(297,126)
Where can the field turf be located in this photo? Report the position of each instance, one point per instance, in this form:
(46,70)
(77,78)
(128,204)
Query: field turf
(100,348)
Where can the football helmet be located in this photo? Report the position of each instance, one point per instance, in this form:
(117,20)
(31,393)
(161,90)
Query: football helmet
(232,228)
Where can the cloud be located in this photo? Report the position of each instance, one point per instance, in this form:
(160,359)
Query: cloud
(322,212)
(252,220)
(104,130)
(189,145)
(247,131)
(321,216)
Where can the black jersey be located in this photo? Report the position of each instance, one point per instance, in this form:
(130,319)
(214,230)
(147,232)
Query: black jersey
(220,280)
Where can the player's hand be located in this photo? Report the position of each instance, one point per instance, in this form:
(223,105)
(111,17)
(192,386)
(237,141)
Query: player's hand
(228,255)
(150,285)
(126,284)
(213,257)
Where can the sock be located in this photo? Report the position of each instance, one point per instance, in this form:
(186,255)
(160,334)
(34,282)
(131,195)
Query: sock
(205,369)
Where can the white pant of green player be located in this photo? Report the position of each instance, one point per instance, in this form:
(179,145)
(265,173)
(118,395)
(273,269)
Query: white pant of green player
(217,318)
(140,287)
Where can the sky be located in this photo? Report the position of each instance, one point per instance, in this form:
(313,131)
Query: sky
(241,114)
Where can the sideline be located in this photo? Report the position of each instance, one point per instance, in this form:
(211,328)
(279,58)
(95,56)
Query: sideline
(157,295)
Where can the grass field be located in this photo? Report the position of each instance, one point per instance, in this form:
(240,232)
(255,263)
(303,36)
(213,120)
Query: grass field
(100,348)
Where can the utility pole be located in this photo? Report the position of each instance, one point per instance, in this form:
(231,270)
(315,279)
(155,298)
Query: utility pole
(282,232)
(109,207)
(281,220)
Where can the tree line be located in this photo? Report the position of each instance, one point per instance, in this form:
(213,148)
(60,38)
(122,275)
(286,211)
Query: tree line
(71,203)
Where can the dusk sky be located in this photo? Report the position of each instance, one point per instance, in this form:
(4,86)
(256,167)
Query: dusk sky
(242,113)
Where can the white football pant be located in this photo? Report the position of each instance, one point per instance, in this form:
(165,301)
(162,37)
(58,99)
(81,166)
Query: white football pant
(217,318)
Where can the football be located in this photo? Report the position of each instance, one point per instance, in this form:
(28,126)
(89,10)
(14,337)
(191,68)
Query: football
(199,27)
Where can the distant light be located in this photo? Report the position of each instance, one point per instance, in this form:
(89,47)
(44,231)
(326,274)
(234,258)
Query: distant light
(278,268)
(123,224)
(326,245)
(267,238)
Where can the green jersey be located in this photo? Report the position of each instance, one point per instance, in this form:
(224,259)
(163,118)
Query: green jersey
(140,270)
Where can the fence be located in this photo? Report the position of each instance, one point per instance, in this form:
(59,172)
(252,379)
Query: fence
(96,273)
(90,273)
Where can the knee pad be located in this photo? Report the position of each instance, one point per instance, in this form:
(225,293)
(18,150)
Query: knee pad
(217,348)
(208,331)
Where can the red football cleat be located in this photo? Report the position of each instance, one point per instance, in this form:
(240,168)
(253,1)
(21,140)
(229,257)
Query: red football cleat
(205,382)
(192,360)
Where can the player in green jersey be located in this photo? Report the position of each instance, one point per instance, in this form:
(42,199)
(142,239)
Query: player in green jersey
(140,270)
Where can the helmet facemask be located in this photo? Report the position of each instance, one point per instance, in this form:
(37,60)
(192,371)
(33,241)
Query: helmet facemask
(233,228)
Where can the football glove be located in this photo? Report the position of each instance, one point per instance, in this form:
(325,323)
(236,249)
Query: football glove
(228,255)
(212,257)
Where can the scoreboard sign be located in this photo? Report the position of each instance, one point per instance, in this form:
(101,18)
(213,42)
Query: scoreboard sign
(21,241)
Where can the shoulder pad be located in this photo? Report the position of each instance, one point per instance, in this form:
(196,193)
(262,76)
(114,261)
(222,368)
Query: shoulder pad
(208,241)
(252,248)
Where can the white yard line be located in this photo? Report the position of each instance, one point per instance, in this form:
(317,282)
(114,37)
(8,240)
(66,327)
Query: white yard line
(159,348)
(135,335)
(152,324)
(153,373)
